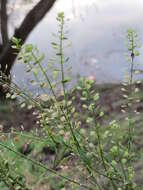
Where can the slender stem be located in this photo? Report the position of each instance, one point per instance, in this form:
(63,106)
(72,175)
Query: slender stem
(99,144)
(36,77)
(121,164)
(61,56)
(46,77)
(130,126)
(43,166)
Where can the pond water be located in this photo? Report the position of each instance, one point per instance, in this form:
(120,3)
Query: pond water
(97,31)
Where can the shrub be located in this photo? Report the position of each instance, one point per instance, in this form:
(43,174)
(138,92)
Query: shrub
(104,156)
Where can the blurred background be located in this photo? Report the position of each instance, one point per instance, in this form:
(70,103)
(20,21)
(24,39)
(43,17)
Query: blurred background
(97,32)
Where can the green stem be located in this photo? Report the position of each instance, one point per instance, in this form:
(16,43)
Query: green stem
(43,166)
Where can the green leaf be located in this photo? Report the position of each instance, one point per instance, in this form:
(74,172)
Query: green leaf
(54,44)
(66,80)
(65,38)
(96,97)
(39,59)
(8,95)
(22,105)
(58,54)
(16,40)
(35,71)
(137,53)
(101,114)
(43,85)
(28,48)
(67,59)
(14,46)
(13,96)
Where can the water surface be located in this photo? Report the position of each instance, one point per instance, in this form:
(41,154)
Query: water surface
(97,31)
